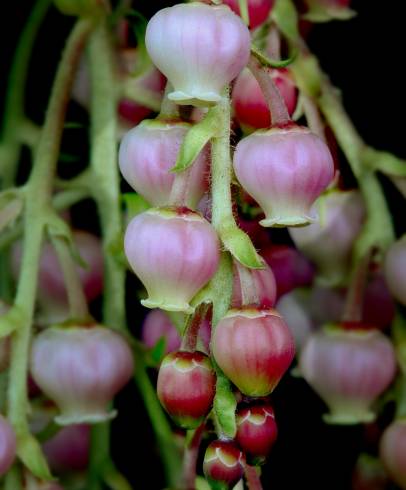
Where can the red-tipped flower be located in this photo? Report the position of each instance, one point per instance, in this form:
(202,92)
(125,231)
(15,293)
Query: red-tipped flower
(256,429)
(223,463)
(186,387)
(254,348)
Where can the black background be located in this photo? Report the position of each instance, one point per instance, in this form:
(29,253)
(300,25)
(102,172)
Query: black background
(365,58)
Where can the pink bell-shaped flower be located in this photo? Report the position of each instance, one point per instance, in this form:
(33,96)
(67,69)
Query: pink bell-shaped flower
(392,451)
(200,48)
(285,170)
(7,445)
(349,370)
(328,243)
(149,151)
(395,270)
(81,369)
(250,107)
(174,252)
(254,348)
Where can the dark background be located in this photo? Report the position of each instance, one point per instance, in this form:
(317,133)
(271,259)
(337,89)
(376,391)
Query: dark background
(365,58)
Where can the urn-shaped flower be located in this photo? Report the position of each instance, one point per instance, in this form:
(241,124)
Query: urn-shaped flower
(149,151)
(174,252)
(186,386)
(349,369)
(256,429)
(81,369)
(285,170)
(223,463)
(254,348)
(328,243)
(200,48)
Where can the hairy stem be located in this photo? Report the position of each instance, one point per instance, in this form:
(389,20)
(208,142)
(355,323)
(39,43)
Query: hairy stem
(38,193)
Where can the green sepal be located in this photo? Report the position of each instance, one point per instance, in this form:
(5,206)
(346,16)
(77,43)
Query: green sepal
(285,15)
(134,204)
(196,138)
(225,405)
(30,453)
(239,244)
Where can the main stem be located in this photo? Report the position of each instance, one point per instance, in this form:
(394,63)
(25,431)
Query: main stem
(14,104)
(38,202)
(106,193)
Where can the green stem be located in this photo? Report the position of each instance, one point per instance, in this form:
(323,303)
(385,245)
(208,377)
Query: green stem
(162,429)
(14,104)
(38,192)
(104,166)
(106,192)
(13,479)
(221,168)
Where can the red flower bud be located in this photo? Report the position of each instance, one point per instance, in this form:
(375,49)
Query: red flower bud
(186,387)
(254,348)
(256,430)
(223,463)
